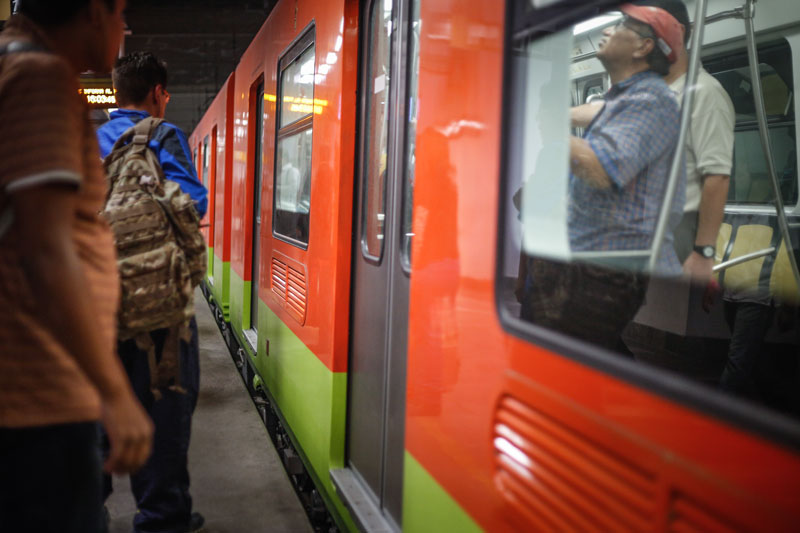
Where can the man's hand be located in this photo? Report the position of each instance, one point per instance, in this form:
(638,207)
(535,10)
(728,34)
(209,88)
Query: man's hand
(585,165)
(130,434)
(698,268)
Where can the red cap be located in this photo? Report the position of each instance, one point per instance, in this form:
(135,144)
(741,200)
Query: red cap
(669,33)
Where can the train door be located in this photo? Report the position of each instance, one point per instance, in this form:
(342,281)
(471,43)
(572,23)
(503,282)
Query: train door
(381,259)
(212,193)
(251,332)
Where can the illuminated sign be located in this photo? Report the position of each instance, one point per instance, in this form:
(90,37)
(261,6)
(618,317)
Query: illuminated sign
(97,90)
(99,96)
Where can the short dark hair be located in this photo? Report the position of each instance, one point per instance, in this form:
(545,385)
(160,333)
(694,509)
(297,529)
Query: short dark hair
(677,9)
(658,62)
(136,74)
(51,13)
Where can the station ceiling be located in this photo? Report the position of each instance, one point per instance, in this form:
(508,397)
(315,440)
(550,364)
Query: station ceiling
(201,41)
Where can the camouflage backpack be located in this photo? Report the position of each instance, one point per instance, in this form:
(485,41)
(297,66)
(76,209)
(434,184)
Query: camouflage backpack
(161,253)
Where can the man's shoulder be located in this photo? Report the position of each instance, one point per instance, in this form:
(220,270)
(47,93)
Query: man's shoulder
(652,93)
(708,85)
(37,70)
(167,130)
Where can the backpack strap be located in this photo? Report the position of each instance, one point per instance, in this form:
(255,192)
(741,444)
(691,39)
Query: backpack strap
(139,134)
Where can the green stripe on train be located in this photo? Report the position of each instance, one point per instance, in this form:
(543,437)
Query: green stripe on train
(221,286)
(311,398)
(427,506)
(239,305)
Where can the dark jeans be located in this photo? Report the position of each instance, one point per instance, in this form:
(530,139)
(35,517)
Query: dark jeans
(161,486)
(584,301)
(749,323)
(50,479)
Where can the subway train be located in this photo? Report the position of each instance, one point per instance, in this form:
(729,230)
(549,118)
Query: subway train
(379,173)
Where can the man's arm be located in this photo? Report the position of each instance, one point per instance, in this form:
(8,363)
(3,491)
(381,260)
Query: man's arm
(583,115)
(176,161)
(711,212)
(583,162)
(713,120)
(56,278)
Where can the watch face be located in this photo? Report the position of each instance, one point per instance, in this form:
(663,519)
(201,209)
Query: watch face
(707,251)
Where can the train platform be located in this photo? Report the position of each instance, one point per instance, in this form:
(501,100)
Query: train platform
(238,481)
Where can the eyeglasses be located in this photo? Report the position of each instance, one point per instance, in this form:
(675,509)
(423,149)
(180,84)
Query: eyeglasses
(631,24)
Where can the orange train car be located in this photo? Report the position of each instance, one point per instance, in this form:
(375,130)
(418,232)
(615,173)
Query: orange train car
(210,142)
(394,167)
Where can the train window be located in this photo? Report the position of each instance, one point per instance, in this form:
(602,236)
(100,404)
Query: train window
(411,133)
(376,145)
(750,183)
(292,197)
(593,259)
(206,161)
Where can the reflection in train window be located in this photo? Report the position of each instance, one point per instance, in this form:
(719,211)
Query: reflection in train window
(292,194)
(297,88)
(581,257)
(376,145)
(750,183)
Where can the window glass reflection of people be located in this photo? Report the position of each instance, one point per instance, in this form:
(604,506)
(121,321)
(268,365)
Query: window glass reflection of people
(289,184)
(619,172)
(709,153)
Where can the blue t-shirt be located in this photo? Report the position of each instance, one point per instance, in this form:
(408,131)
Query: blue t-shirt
(634,137)
(169,144)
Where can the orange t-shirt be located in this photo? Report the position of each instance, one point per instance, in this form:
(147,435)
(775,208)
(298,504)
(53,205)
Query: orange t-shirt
(47,138)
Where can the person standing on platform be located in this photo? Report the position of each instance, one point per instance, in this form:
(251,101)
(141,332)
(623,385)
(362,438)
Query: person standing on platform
(59,286)
(161,487)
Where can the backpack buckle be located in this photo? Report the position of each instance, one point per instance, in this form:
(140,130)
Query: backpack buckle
(139,139)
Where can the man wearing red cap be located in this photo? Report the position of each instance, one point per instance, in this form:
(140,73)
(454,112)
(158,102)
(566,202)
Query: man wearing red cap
(709,153)
(619,174)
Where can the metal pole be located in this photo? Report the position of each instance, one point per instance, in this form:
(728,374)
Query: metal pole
(763,130)
(743,259)
(686,120)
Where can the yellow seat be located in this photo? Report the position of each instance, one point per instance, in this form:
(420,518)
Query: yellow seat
(723,238)
(749,238)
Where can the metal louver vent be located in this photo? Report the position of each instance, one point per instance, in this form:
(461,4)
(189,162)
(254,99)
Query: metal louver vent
(560,480)
(289,285)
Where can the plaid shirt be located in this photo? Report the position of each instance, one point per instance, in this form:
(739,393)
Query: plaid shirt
(634,138)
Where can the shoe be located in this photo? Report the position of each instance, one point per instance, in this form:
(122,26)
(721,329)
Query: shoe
(196,523)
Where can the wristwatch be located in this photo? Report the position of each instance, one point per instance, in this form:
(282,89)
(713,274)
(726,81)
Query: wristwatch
(705,250)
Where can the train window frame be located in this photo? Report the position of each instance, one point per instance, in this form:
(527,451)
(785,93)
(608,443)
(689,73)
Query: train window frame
(304,42)
(411,111)
(524,21)
(206,163)
(767,46)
